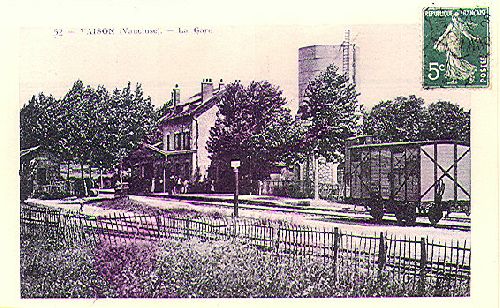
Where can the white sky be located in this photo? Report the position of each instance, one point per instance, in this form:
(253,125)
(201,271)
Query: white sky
(388,61)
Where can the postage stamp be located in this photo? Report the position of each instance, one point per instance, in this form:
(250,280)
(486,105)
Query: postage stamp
(456,47)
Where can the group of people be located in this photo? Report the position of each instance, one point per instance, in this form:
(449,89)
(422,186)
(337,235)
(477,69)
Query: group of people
(176,185)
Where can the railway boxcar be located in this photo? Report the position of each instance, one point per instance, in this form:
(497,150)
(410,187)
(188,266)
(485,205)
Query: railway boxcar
(408,179)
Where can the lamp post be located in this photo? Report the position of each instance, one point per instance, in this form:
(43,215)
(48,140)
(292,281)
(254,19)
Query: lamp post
(235,164)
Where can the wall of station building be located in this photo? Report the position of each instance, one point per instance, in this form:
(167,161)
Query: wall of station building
(203,124)
(178,136)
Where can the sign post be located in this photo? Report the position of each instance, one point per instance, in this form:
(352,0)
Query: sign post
(235,164)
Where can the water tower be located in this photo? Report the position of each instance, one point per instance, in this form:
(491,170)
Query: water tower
(316,58)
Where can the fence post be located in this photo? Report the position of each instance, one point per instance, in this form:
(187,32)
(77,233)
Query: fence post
(157,221)
(188,225)
(83,227)
(381,254)
(235,227)
(277,229)
(423,265)
(335,251)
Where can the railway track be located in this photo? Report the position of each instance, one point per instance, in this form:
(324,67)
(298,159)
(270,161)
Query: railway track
(345,215)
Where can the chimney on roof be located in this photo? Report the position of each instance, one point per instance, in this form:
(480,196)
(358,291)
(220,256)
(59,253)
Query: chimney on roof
(176,95)
(221,84)
(207,89)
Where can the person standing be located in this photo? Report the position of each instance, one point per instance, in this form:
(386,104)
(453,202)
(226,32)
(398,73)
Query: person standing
(185,185)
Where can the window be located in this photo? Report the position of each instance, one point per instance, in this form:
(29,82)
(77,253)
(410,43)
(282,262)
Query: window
(168,143)
(177,141)
(187,141)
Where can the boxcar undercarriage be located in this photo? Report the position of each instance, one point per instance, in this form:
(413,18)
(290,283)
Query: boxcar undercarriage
(408,179)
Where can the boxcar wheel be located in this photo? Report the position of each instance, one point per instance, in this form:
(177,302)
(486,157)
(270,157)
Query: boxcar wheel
(435,214)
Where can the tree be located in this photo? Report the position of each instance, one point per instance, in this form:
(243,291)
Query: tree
(130,118)
(251,126)
(446,121)
(88,125)
(408,119)
(38,122)
(401,119)
(80,124)
(156,134)
(328,114)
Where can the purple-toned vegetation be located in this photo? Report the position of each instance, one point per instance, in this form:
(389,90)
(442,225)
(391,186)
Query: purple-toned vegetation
(196,268)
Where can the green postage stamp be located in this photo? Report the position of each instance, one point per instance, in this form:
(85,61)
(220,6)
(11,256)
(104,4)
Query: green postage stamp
(456,48)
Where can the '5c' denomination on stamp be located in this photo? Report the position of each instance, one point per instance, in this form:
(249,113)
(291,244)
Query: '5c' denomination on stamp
(456,47)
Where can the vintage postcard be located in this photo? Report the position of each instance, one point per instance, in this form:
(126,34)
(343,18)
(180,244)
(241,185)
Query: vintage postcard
(348,160)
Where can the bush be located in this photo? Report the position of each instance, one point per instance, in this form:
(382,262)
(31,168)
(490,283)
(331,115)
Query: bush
(198,187)
(128,269)
(293,190)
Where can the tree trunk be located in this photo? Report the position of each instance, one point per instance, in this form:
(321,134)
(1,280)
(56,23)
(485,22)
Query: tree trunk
(67,172)
(316,177)
(102,181)
(121,168)
(81,168)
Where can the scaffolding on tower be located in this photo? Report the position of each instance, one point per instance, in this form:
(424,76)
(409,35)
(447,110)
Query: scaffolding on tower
(345,52)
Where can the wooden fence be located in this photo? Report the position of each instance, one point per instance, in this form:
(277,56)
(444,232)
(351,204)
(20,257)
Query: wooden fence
(420,258)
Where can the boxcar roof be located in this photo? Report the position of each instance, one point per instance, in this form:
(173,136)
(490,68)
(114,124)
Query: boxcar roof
(408,143)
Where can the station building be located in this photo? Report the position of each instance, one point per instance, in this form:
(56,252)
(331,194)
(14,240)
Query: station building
(182,152)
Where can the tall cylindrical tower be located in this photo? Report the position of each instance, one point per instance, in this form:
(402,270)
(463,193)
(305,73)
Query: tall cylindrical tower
(316,58)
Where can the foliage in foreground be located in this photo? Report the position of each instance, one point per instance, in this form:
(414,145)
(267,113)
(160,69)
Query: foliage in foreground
(50,270)
(196,269)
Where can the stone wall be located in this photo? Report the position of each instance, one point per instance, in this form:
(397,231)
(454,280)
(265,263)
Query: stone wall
(203,124)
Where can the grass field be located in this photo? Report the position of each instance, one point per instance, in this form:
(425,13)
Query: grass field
(180,269)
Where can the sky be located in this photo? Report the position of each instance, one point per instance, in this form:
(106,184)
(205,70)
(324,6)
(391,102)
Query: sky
(388,61)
